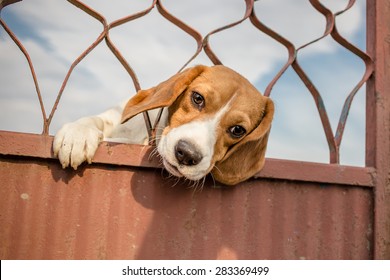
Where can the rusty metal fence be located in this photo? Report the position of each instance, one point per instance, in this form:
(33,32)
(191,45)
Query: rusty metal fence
(123,207)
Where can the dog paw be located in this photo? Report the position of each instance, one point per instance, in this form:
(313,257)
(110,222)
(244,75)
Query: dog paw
(75,143)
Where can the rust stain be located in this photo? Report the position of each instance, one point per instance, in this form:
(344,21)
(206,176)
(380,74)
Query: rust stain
(126,213)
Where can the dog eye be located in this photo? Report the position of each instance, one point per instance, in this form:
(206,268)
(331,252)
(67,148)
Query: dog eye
(237,131)
(198,100)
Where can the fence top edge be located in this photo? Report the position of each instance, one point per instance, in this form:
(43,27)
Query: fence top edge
(110,153)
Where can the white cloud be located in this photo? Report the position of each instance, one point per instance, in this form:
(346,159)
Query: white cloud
(55,33)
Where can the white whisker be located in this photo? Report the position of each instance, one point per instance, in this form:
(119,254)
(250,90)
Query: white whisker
(177,181)
(212,177)
(219,170)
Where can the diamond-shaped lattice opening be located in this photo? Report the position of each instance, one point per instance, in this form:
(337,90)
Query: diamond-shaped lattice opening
(103,52)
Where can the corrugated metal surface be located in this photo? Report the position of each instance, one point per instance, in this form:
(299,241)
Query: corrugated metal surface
(112,212)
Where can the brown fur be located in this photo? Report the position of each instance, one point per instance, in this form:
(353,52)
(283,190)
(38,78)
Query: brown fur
(234,160)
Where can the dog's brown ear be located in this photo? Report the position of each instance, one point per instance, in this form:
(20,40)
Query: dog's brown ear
(162,95)
(247,157)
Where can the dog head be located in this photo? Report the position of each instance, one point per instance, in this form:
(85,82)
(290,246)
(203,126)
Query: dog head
(218,122)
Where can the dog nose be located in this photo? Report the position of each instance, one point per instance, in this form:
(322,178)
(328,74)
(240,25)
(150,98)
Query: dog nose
(187,154)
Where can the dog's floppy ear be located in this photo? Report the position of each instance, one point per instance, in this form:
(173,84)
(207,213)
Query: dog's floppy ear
(247,157)
(162,95)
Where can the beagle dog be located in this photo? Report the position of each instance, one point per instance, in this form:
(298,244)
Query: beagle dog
(217,122)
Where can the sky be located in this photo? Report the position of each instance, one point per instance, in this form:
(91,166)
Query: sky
(55,33)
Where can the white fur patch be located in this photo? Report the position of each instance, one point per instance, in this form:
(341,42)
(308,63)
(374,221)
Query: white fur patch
(202,135)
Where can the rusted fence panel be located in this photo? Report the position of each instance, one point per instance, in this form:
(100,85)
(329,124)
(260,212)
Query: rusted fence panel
(134,210)
(118,212)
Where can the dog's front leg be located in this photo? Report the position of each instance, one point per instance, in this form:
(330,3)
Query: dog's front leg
(77,141)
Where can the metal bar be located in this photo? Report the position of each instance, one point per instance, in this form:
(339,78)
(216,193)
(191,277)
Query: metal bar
(371,132)
(45,129)
(292,53)
(40,146)
(37,146)
(334,142)
(116,52)
(186,28)
(334,153)
(4,3)
(207,49)
(126,65)
(378,120)
(293,62)
(100,38)
(369,64)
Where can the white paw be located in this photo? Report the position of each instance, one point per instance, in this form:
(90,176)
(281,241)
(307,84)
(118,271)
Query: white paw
(75,143)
